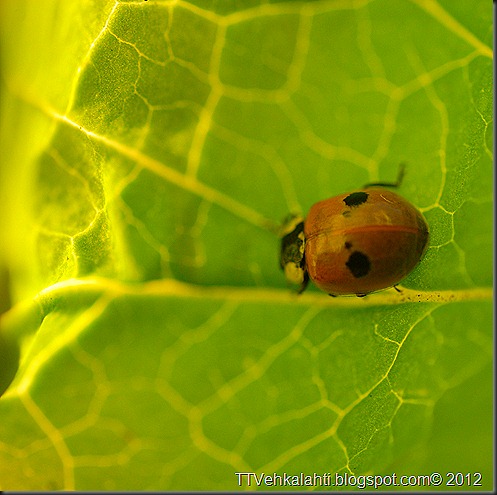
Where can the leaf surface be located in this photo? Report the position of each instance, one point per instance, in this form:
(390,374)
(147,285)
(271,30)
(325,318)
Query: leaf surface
(150,151)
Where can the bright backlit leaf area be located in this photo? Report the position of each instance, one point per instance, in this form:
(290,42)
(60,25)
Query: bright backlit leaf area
(149,152)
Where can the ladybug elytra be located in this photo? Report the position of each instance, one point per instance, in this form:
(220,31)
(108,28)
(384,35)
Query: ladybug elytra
(354,243)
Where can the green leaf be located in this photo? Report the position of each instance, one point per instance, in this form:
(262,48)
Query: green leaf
(150,151)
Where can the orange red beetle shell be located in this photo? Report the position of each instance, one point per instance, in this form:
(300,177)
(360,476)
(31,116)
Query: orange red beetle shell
(358,242)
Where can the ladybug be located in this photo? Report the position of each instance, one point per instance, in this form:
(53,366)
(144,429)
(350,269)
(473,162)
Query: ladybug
(354,243)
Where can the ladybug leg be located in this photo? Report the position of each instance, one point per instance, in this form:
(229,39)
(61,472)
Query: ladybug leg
(397,289)
(397,183)
(361,295)
(305,282)
(333,295)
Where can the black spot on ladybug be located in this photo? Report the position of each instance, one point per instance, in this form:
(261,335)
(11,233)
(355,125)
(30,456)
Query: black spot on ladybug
(356,199)
(348,245)
(358,264)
